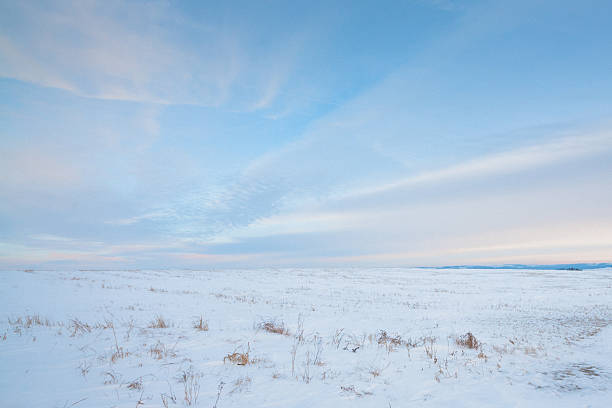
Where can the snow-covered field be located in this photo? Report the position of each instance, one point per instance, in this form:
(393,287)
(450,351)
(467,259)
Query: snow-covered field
(349,337)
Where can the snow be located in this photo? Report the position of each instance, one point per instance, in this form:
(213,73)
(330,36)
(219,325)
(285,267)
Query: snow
(545,335)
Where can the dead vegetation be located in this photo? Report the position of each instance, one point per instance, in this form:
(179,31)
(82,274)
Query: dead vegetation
(391,342)
(354,342)
(241,384)
(572,377)
(160,351)
(118,353)
(159,323)
(106,324)
(157,290)
(219,391)
(28,321)
(351,389)
(78,327)
(130,326)
(191,386)
(431,350)
(201,325)
(468,340)
(111,377)
(75,325)
(135,384)
(168,398)
(377,371)
(273,326)
(84,368)
(382,338)
(237,298)
(337,337)
(294,350)
(306,377)
(239,358)
(518,345)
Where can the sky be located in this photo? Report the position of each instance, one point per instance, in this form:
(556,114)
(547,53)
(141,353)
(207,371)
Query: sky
(193,134)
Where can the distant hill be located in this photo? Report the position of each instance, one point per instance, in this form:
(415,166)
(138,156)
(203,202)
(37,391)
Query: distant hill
(571,267)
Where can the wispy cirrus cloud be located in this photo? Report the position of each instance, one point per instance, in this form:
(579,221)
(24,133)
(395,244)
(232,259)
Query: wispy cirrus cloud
(130,52)
(513,161)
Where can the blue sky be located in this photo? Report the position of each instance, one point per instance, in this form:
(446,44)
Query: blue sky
(238,134)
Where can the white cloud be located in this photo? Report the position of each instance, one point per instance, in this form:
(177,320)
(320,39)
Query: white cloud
(513,161)
(131,52)
(153,215)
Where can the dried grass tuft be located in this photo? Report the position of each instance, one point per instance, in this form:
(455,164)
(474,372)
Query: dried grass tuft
(79,327)
(135,384)
(201,325)
(273,326)
(468,340)
(238,358)
(159,323)
(29,321)
(191,383)
(160,351)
